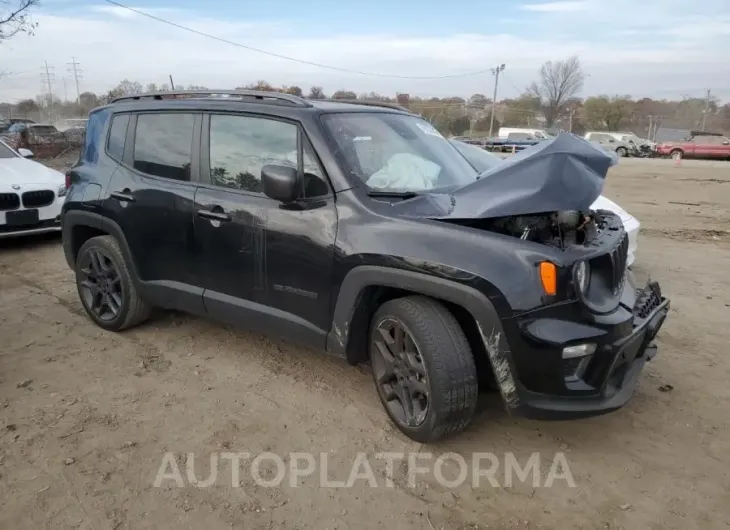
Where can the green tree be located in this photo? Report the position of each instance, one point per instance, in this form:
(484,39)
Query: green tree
(344,94)
(604,113)
(478,101)
(88,100)
(520,112)
(27,106)
(293,90)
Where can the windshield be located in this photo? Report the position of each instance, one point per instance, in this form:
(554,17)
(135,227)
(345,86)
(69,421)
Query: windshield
(43,129)
(6,152)
(397,152)
(479,158)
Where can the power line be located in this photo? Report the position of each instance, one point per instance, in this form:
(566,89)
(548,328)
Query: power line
(294,59)
(513,85)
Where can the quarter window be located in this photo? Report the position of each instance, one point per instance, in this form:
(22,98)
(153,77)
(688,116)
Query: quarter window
(163,145)
(117,135)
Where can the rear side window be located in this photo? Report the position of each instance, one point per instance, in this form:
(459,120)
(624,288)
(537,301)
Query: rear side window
(163,145)
(117,135)
(93,137)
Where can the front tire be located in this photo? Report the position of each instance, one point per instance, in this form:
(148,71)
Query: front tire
(423,368)
(622,152)
(676,154)
(105,286)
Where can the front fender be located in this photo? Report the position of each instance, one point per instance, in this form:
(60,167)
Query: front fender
(479,306)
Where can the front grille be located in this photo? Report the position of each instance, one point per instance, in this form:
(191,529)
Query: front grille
(9,201)
(38,199)
(647,300)
(619,257)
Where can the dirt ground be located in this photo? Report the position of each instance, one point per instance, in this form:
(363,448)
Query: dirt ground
(86,416)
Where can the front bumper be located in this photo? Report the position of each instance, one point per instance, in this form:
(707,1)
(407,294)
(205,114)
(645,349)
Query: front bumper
(605,380)
(49,220)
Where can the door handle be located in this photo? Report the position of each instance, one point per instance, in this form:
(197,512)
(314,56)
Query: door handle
(214,216)
(123,196)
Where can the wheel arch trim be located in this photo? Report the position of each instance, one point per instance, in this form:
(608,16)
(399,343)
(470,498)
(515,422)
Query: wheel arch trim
(74,218)
(475,302)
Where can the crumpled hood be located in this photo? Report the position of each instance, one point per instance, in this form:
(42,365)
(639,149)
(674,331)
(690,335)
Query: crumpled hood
(564,173)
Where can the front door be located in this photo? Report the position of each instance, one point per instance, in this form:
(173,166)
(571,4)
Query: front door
(150,197)
(267,266)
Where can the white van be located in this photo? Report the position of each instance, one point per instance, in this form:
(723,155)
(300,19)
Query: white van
(539,134)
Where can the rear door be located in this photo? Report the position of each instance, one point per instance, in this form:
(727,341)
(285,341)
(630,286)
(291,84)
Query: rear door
(267,265)
(151,198)
(716,148)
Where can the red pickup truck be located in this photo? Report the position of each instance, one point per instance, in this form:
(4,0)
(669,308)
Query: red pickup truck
(698,145)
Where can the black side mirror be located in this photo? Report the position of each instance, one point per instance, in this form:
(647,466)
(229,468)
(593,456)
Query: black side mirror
(280,183)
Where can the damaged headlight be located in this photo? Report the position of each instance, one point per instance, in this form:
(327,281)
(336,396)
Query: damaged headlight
(582,275)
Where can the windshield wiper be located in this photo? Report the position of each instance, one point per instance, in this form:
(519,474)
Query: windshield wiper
(392,193)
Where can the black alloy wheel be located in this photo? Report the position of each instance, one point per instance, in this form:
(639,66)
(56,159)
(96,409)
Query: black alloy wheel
(400,373)
(100,285)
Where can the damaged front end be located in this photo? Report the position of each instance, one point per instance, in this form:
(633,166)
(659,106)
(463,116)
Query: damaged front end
(579,350)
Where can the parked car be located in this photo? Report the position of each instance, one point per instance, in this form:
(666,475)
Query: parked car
(540,134)
(698,145)
(359,229)
(484,161)
(43,139)
(31,194)
(623,137)
(623,146)
(6,123)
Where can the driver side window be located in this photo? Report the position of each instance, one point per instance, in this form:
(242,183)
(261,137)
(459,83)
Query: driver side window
(241,145)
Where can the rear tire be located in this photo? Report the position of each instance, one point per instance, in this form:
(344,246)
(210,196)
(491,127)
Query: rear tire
(435,363)
(677,154)
(105,286)
(622,152)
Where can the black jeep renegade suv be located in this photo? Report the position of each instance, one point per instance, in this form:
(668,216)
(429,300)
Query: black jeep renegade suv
(358,229)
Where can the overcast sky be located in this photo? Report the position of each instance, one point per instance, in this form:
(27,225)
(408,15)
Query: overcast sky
(662,49)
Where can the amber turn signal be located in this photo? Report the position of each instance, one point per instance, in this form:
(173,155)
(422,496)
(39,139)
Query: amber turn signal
(549,277)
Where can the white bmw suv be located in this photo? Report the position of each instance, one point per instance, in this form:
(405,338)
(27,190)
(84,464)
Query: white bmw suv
(31,194)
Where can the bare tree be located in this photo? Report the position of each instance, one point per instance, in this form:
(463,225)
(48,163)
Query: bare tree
(559,82)
(316,92)
(14,17)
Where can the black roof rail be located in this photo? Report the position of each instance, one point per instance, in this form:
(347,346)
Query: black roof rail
(254,94)
(370,104)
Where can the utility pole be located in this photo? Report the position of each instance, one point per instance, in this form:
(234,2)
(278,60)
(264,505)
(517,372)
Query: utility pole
(570,120)
(65,91)
(707,109)
(172,85)
(495,72)
(75,70)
